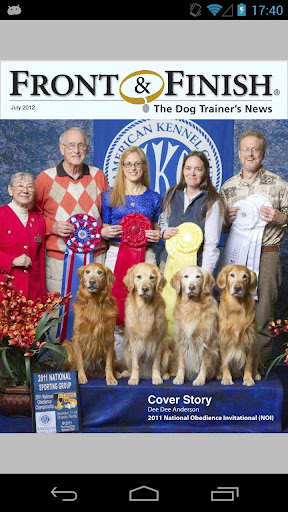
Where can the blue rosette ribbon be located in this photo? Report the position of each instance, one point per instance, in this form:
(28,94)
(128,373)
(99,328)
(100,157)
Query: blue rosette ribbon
(79,251)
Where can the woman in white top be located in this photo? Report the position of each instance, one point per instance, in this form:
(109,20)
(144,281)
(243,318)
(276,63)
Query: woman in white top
(194,199)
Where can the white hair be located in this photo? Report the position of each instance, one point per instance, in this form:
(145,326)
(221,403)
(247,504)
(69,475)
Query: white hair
(75,129)
(19,176)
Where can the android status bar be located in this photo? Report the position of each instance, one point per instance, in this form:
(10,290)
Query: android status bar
(223,10)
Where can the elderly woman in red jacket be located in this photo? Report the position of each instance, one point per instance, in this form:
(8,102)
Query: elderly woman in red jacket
(22,238)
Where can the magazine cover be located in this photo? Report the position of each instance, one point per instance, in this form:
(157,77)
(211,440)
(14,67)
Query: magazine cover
(142,244)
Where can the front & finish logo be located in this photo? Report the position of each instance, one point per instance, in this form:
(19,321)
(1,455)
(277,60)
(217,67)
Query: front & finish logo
(165,143)
(139,87)
(136,89)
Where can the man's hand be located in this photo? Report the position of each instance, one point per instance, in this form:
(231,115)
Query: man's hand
(62,228)
(270,214)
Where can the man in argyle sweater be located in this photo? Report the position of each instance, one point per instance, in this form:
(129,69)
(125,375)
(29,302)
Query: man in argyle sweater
(70,188)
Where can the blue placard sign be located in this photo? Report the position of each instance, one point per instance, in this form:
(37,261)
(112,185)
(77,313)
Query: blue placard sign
(56,406)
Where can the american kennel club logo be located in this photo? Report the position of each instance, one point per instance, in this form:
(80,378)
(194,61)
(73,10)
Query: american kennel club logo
(166,143)
(45,422)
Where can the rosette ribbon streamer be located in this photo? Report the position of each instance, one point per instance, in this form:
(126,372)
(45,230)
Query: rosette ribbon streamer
(243,246)
(131,251)
(182,251)
(79,251)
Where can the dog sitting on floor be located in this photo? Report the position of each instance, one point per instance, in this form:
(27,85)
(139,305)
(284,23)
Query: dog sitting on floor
(147,352)
(237,326)
(195,326)
(91,351)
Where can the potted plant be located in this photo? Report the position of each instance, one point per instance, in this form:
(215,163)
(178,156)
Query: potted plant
(25,343)
(278,327)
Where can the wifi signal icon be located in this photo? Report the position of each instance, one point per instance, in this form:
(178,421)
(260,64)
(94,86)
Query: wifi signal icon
(214,8)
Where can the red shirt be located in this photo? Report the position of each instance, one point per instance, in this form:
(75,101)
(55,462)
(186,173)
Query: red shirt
(15,240)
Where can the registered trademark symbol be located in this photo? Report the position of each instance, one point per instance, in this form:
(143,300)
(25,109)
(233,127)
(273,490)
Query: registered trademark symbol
(276,92)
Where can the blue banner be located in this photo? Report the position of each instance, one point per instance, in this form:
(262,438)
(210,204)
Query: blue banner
(165,143)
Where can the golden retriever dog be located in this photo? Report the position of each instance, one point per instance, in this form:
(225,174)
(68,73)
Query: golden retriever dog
(237,325)
(91,351)
(146,353)
(195,326)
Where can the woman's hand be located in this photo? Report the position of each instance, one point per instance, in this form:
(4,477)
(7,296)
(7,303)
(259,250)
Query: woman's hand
(153,235)
(232,214)
(170,232)
(22,261)
(110,231)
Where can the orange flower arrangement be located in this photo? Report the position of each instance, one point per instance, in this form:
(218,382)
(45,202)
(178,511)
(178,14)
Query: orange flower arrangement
(24,329)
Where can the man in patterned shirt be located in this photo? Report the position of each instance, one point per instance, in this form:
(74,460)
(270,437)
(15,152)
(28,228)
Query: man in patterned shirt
(70,188)
(254,179)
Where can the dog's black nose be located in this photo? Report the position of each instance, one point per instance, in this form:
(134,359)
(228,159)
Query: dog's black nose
(237,288)
(91,281)
(145,289)
(192,287)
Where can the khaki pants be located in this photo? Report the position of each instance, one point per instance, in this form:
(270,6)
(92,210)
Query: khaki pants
(268,286)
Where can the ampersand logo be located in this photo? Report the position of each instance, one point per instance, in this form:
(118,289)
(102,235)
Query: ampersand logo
(141,83)
(136,89)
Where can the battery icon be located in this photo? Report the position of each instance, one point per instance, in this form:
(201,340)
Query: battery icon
(241,10)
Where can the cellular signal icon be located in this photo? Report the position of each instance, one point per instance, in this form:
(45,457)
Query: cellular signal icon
(214,8)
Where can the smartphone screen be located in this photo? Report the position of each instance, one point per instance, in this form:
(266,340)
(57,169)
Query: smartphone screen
(190,79)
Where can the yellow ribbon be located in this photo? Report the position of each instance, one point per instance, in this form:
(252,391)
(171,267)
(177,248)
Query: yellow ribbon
(182,251)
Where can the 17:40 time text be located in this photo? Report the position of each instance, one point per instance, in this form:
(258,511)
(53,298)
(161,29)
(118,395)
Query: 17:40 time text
(262,10)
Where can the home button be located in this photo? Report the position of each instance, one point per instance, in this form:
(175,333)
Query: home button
(143,493)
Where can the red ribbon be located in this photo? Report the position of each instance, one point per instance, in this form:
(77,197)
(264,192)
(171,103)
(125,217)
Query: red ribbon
(131,251)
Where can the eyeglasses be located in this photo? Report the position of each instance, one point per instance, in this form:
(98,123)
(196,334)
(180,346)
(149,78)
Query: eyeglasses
(252,150)
(72,146)
(128,165)
(20,187)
